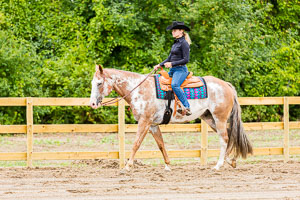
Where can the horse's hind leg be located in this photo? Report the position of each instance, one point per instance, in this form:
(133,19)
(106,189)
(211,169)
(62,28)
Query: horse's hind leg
(220,128)
(156,133)
(208,118)
(231,161)
(223,136)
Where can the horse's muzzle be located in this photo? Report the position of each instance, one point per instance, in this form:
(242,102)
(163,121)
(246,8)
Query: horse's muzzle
(96,103)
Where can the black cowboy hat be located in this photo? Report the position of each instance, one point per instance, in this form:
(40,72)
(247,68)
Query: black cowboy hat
(178,25)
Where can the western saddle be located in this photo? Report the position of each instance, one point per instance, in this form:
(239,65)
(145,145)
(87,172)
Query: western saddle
(190,82)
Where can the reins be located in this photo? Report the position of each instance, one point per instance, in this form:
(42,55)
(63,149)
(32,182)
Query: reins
(117,99)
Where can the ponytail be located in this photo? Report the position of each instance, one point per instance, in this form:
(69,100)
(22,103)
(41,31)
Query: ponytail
(187,38)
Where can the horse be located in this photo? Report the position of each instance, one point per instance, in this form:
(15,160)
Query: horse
(220,106)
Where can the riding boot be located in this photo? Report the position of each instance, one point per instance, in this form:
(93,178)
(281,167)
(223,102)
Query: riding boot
(185,111)
(188,112)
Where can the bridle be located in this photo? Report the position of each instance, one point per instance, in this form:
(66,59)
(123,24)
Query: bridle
(117,99)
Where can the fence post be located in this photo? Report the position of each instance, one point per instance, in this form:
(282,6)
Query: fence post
(204,142)
(121,132)
(286,143)
(29,130)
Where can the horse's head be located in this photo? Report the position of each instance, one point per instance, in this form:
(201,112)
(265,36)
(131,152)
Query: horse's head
(101,87)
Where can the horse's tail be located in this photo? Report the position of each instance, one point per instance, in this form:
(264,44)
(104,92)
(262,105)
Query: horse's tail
(238,140)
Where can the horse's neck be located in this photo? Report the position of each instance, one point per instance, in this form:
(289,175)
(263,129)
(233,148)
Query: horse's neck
(124,81)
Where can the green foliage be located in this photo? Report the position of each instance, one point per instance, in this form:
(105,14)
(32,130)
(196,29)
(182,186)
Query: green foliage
(18,63)
(48,49)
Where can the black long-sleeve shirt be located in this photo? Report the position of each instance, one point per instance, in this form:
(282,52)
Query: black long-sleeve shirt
(180,53)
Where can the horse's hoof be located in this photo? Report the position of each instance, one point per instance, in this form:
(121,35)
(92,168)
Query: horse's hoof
(167,168)
(122,171)
(216,168)
(127,168)
(233,164)
(228,160)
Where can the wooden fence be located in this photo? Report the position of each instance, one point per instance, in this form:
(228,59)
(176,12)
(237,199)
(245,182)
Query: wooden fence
(121,128)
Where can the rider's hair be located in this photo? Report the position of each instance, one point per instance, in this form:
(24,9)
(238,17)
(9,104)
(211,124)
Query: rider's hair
(187,38)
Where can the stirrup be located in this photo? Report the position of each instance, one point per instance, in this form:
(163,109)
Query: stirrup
(188,112)
(185,111)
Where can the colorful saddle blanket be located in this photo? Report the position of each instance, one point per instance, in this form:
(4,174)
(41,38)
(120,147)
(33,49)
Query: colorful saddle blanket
(191,93)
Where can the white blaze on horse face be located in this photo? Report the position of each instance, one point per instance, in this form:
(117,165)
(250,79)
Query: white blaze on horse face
(95,94)
(98,84)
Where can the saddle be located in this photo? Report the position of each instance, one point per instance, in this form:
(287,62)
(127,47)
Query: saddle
(165,84)
(190,82)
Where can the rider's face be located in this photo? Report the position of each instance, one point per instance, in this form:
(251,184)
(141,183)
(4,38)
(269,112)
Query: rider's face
(177,33)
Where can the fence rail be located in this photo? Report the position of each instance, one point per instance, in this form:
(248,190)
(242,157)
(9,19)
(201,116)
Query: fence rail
(121,128)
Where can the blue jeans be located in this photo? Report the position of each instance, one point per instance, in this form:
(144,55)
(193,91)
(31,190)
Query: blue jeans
(178,74)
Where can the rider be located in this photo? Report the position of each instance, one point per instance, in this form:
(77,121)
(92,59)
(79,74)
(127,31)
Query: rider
(177,60)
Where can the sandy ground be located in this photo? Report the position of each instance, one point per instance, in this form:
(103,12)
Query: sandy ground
(101,179)
(256,178)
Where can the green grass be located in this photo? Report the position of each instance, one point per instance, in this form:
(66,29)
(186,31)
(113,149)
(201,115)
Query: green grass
(109,139)
(213,138)
(89,143)
(47,142)
(186,141)
(5,140)
(12,163)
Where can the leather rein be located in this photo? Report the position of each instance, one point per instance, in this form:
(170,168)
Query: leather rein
(117,99)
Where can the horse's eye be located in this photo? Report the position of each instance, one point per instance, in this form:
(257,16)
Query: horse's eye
(99,84)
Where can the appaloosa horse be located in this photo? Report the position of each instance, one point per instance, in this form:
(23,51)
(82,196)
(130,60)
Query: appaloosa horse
(220,106)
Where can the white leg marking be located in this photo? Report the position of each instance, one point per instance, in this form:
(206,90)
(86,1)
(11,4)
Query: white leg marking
(129,165)
(228,160)
(222,153)
(167,168)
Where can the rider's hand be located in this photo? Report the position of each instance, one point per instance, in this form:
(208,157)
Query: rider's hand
(156,67)
(168,64)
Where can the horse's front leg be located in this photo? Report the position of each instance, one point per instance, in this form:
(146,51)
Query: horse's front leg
(143,127)
(156,133)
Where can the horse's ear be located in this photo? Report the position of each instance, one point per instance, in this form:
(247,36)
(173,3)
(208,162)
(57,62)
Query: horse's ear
(99,68)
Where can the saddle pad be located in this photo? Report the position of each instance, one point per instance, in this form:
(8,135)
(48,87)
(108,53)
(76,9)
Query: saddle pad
(190,93)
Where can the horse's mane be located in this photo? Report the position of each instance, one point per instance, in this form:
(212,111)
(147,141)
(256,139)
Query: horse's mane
(123,71)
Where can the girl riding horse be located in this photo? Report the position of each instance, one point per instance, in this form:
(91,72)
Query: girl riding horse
(177,60)
(220,106)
